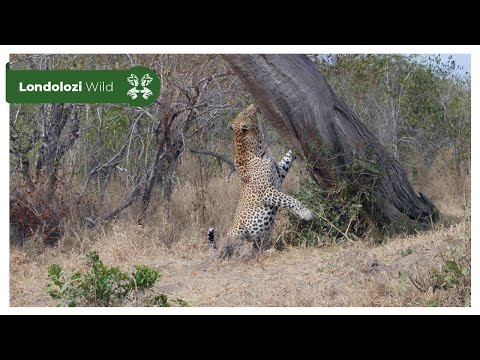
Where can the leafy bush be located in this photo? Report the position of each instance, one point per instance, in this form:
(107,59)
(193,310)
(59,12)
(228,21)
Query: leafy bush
(450,285)
(343,211)
(103,286)
(454,272)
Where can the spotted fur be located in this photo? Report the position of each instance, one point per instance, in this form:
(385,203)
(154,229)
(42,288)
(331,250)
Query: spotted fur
(262,179)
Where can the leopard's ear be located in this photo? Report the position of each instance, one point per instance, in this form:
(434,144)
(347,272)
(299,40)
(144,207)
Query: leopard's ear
(229,126)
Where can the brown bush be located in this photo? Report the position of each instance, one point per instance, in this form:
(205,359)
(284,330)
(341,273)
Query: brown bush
(36,211)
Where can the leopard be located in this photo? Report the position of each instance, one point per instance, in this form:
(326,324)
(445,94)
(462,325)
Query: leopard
(261,182)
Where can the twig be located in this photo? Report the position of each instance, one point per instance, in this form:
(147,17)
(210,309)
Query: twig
(416,284)
(219,156)
(333,226)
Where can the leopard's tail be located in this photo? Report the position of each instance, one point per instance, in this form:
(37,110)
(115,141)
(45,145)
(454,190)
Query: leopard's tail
(211,239)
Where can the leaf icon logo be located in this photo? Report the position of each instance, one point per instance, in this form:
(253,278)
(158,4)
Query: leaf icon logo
(146,79)
(144,82)
(133,80)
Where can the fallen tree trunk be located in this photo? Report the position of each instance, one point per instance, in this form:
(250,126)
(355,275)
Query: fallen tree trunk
(310,118)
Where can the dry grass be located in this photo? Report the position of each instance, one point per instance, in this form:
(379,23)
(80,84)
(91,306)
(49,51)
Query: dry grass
(360,274)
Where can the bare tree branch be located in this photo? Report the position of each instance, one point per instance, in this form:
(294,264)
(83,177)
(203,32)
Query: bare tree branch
(218,156)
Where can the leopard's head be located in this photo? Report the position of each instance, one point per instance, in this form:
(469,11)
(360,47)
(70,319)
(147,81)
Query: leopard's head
(246,130)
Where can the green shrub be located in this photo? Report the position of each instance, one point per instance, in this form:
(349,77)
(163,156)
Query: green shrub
(103,286)
(452,275)
(343,211)
(407,251)
(449,285)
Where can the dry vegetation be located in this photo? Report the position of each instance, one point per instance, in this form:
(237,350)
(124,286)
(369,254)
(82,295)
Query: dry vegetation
(394,271)
(132,184)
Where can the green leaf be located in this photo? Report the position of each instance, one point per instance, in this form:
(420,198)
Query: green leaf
(160,301)
(458,250)
(182,303)
(450,279)
(53,292)
(64,288)
(452,266)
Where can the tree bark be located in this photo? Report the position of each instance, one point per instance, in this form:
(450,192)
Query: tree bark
(309,116)
(55,142)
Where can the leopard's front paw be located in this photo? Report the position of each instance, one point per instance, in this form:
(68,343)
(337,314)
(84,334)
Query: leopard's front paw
(306,214)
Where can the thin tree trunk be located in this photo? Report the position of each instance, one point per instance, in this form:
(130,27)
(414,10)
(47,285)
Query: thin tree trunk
(55,144)
(309,116)
(173,153)
(153,174)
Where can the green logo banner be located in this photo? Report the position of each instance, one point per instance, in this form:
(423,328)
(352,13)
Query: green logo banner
(139,86)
